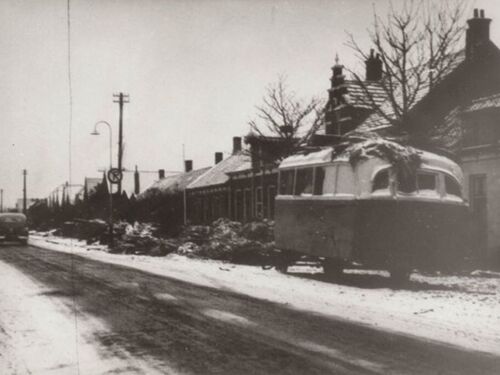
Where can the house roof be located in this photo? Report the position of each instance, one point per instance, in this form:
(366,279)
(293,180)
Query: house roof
(486,102)
(218,173)
(376,121)
(172,184)
(359,93)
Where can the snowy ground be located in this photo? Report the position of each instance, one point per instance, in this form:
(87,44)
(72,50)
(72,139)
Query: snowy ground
(457,310)
(36,336)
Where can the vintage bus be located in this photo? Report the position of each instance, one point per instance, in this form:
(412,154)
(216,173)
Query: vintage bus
(370,212)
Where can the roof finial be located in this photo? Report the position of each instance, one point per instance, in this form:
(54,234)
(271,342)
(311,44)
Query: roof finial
(336,58)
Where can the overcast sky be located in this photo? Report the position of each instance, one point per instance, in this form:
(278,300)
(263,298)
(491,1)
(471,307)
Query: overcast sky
(194,71)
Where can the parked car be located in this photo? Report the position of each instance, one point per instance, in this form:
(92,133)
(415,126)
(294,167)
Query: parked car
(13,227)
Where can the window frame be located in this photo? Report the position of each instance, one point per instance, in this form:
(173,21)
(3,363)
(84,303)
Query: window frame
(455,180)
(389,188)
(306,170)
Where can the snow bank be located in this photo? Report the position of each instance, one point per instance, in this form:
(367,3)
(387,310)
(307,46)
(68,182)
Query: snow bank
(456,310)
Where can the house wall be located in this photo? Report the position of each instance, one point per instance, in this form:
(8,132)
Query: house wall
(208,204)
(252,195)
(487,164)
(245,197)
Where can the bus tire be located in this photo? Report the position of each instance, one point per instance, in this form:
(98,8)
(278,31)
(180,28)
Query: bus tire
(400,275)
(333,269)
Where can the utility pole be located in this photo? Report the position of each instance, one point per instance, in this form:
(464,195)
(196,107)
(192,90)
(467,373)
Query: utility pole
(24,190)
(121,99)
(1,200)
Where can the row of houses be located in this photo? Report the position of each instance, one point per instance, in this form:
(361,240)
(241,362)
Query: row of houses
(243,185)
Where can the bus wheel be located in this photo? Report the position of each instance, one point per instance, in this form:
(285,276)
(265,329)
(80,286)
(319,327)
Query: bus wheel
(282,267)
(333,269)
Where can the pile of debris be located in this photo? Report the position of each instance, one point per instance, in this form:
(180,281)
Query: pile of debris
(141,238)
(222,240)
(229,240)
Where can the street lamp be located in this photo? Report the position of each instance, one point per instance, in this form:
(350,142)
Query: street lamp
(95,132)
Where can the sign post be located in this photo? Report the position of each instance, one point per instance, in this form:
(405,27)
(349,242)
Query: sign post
(114,177)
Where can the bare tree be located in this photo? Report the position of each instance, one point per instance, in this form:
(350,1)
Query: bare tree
(283,115)
(418,45)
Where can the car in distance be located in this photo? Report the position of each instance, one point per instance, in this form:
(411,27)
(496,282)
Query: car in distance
(13,227)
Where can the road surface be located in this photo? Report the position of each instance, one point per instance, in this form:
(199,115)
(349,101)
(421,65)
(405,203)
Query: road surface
(63,313)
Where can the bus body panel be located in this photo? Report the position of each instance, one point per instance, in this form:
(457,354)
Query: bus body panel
(377,233)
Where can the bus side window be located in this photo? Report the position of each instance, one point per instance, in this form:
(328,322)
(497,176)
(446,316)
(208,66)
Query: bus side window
(329,179)
(319,178)
(426,181)
(286,182)
(381,180)
(345,179)
(304,184)
(407,182)
(452,187)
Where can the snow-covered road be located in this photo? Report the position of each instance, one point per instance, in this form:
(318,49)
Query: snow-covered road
(81,310)
(457,310)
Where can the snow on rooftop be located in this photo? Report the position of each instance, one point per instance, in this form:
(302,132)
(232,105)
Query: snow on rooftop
(492,101)
(218,173)
(173,183)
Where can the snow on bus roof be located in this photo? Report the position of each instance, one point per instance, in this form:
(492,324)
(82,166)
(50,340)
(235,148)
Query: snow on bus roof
(438,162)
(428,160)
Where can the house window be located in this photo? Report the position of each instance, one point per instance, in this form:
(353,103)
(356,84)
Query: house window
(304,184)
(478,134)
(286,182)
(259,204)
(319,178)
(206,208)
(478,199)
(247,205)
(271,194)
(238,205)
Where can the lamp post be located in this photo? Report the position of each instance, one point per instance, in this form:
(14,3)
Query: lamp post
(95,132)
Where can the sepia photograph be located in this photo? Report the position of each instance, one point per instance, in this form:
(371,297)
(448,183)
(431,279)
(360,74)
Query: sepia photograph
(192,187)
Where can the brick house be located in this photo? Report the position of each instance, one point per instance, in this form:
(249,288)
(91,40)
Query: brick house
(241,187)
(209,196)
(165,200)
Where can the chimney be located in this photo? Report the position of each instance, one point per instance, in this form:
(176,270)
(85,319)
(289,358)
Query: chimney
(338,77)
(218,157)
(373,67)
(236,145)
(161,174)
(477,35)
(188,165)
(137,182)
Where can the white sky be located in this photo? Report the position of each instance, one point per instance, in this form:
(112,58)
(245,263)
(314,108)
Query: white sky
(194,71)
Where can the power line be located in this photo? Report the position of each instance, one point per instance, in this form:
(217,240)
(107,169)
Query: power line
(70,94)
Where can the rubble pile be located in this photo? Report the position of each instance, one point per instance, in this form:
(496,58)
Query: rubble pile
(229,240)
(140,238)
(224,239)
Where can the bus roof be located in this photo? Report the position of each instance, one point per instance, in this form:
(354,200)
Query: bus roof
(429,160)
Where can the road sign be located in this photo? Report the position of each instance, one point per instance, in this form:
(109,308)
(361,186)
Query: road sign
(115,175)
